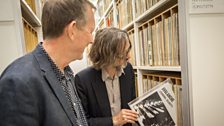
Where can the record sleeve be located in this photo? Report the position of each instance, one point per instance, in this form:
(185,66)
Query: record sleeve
(156,107)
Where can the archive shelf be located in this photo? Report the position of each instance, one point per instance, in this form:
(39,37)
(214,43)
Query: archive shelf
(161,68)
(157,8)
(29,15)
(129,26)
(31,24)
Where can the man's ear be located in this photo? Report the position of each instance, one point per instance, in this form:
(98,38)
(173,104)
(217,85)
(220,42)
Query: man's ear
(71,28)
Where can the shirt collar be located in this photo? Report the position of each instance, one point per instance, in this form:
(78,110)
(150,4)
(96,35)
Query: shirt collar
(106,76)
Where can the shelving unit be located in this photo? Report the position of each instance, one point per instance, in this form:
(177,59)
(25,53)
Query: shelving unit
(31,23)
(29,15)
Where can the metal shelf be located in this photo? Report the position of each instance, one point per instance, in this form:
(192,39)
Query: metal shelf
(161,68)
(29,15)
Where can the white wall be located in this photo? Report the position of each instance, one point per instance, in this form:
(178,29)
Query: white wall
(206,68)
(10,32)
(9,50)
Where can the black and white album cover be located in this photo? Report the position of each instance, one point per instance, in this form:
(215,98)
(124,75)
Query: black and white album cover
(156,107)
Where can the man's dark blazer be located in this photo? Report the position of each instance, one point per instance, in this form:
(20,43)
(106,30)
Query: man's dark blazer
(31,95)
(93,94)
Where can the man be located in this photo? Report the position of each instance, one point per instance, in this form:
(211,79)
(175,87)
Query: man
(106,88)
(38,88)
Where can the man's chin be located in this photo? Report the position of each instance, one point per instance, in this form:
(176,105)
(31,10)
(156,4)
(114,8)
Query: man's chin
(124,65)
(121,66)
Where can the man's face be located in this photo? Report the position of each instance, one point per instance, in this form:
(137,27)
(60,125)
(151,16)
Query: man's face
(121,61)
(84,35)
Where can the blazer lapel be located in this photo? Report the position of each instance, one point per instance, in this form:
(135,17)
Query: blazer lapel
(101,95)
(57,89)
(53,82)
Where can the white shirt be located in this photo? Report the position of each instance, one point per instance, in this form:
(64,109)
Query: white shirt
(113,90)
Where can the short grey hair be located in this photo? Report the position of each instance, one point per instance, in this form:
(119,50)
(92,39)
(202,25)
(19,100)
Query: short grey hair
(57,14)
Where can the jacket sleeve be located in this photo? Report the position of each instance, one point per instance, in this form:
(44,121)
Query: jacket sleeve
(18,107)
(83,94)
(133,83)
